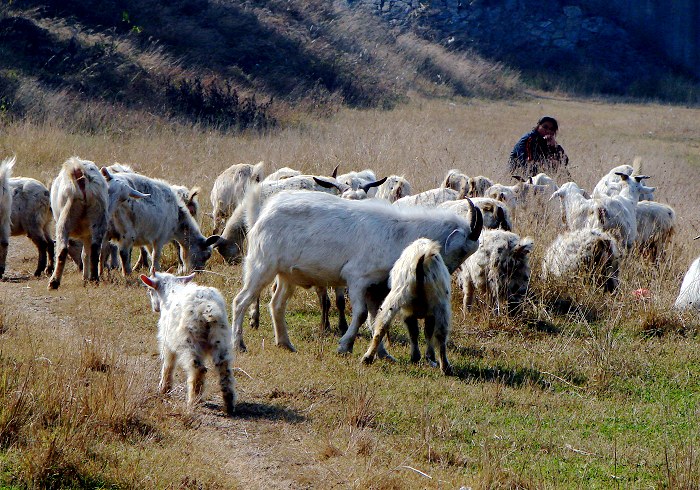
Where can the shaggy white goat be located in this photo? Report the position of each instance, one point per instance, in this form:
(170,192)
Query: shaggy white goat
(499,270)
(394,189)
(457,181)
(655,226)
(154,221)
(31,216)
(80,206)
(229,188)
(420,288)
(478,185)
(586,252)
(193,323)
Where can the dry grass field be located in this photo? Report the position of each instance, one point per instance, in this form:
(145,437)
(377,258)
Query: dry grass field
(603,394)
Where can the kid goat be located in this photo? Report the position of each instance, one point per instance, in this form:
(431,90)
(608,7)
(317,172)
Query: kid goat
(192,324)
(420,288)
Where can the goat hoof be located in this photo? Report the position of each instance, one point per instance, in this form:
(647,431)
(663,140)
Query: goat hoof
(367,360)
(344,349)
(287,345)
(447,370)
(240,346)
(53,284)
(386,356)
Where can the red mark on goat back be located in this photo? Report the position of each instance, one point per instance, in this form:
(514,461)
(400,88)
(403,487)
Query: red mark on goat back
(79,178)
(641,294)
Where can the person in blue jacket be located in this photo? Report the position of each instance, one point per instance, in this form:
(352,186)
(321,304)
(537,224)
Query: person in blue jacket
(538,151)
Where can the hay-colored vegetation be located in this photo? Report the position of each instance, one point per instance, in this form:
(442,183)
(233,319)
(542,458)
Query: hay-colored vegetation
(583,390)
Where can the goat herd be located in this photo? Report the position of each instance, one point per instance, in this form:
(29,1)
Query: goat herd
(392,252)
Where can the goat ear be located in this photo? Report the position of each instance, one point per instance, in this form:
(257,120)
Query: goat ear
(518,178)
(186,279)
(151,283)
(105,173)
(639,178)
(622,175)
(556,193)
(525,246)
(212,241)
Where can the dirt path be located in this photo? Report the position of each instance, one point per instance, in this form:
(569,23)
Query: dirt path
(264,446)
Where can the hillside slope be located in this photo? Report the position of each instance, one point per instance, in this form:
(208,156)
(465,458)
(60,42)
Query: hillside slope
(228,63)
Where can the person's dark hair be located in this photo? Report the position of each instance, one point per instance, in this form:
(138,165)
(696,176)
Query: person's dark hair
(550,120)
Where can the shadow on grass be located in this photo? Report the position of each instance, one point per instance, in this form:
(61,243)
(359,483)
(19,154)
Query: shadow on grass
(261,411)
(512,377)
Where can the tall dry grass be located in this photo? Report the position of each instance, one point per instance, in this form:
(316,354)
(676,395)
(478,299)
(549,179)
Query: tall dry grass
(584,389)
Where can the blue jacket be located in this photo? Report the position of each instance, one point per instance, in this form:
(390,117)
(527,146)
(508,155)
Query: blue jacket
(532,155)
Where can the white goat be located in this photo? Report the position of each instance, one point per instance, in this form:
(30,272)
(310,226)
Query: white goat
(229,189)
(282,173)
(31,216)
(495,213)
(80,206)
(420,288)
(586,252)
(609,184)
(5,209)
(478,186)
(314,239)
(689,295)
(154,221)
(578,210)
(394,189)
(430,198)
(357,180)
(193,323)
(499,270)
(544,180)
(655,226)
(457,181)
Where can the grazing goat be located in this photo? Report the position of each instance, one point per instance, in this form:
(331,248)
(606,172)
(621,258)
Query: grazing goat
(154,221)
(393,189)
(5,209)
(193,323)
(430,198)
(229,189)
(314,239)
(80,206)
(31,216)
(499,270)
(655,226)
(478,185)
(586,252)
(609,184)
(457,181)
(495,213)
(420,288)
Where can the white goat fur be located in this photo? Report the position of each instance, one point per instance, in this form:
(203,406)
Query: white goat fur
(154,221)
(80,207)
(31,216)
(394,189)
(478,186)
(609,184)
(457,181)
(193,324)
(655,226)
(499,270)
(308,239)
(420,288)
(689,295)
(282,173)
(5,209)
(430,198)
(495,213)
(229,189)
(355,180)
(588,252)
